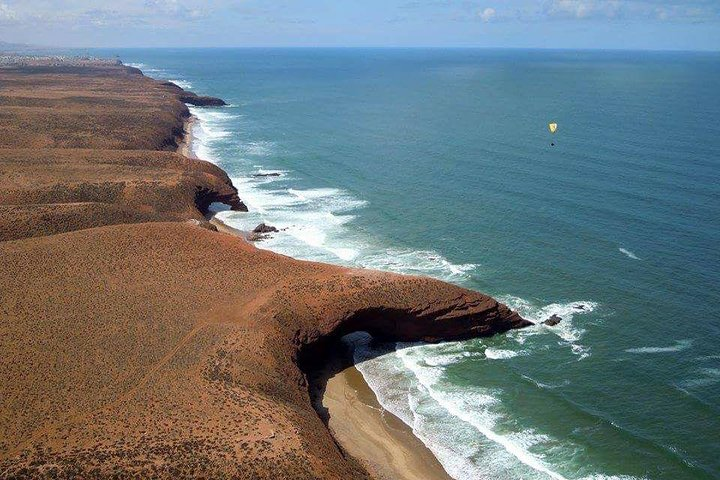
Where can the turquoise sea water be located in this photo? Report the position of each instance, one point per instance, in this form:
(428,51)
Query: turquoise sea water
(438,162)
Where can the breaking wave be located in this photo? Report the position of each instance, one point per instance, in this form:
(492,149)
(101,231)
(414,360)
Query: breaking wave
(465,427)
(679,346)
(499,354)
(629,254)
(184,84)
(568,329)
(315,222)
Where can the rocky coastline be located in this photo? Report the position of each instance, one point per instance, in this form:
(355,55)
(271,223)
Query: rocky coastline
(136,341)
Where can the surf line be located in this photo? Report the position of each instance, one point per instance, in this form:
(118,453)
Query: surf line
(516,451)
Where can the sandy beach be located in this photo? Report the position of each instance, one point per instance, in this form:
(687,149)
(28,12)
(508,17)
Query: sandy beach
(379,440)
(185,147)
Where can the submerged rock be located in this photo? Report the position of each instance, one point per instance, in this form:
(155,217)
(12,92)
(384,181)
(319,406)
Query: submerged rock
(552,321)
(273,174)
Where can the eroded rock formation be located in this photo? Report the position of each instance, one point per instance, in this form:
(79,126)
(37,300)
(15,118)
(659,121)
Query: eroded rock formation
(47,191)
(171,350)
(82,147)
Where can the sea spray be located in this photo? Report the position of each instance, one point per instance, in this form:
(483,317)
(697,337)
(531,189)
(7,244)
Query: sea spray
(185,85)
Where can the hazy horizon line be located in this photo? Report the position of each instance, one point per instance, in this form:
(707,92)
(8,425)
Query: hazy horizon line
(356,47)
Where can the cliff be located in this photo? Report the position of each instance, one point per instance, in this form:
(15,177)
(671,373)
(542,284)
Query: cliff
(136,343)
(83,147)
(193,98)
(47,191)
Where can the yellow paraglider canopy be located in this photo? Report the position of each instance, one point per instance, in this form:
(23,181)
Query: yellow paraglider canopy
(552,127)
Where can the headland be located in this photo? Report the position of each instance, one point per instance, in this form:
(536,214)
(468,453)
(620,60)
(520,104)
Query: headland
(137,340)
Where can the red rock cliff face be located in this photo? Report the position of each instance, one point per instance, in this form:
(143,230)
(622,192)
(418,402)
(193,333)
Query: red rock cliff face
(165,350)
(82,147)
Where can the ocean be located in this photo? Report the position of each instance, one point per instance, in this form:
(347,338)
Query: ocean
(439,162)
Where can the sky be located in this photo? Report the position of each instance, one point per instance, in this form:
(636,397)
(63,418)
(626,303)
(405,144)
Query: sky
(593,24)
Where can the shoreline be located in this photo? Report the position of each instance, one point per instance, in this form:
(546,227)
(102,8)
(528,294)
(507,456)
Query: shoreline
(185,142)
(377,439)
(387,448)
(164,348)
(185,148)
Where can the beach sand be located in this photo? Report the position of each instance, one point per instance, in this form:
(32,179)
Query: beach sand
(376,438)
(185,147)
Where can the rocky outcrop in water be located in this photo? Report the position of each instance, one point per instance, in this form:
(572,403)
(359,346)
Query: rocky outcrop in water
(273,174)
(192,98)
(261,232)
(553,320)
(263,228)
(201,101)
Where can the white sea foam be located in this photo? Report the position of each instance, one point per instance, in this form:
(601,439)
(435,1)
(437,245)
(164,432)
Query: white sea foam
(546,385)
(461,425)
(315,222)
(567,329)
(159,73)
(679,346)
(708,357)
(149,70)
(320,219)
(416,262)
(152,72)
(405,397)
(499,354)
(705,377)
(471,407)
(270,174)
(712,372)
(628,253)
(448,359)
(184,84)
(312,220)
(212,125)
(611,477)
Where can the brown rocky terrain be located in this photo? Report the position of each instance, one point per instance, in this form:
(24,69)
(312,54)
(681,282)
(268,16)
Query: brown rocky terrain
(83,147)
(48,191)
(92,106)
(135,344)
